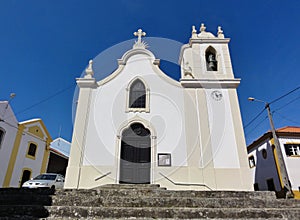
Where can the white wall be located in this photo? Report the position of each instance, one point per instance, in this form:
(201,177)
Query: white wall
(107,114)
(224,147)
(10,126)
(292,163)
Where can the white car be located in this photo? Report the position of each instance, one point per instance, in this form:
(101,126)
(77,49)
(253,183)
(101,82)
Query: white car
(46,180)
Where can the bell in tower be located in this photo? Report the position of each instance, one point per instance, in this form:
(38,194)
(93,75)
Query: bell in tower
(211,62)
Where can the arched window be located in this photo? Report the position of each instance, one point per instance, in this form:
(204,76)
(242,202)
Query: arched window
(31,150)
(2,133)
(137,95)
(211,60)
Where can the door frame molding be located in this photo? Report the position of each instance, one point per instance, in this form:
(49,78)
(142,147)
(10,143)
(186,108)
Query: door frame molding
(153,145)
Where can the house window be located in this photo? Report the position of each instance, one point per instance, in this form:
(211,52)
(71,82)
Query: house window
(32,150)
(251,161)
(138,96)
(292,149)
(2,133)
(264,153)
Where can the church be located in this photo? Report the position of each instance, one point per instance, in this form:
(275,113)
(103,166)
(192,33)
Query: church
(139,126)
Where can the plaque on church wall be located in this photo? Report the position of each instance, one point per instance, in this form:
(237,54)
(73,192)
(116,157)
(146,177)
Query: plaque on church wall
(164,159)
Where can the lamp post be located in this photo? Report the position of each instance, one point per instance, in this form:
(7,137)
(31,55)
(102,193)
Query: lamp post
(281,164)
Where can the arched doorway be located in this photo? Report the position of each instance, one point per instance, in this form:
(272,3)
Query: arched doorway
(25,176)
(135,160)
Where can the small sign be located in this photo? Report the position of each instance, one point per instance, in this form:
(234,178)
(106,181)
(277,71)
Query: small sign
(164,160)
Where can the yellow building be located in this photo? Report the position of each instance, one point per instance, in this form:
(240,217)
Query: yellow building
(24,148)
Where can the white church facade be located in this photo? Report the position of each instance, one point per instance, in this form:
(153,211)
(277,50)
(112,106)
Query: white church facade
(139,126)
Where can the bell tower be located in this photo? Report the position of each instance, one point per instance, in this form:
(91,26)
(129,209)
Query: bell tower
(206,57)
(215,135)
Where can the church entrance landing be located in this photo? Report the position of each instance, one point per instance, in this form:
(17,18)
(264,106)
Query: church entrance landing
(135,163)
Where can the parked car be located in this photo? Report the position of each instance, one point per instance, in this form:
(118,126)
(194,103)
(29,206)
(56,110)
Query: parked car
(46,180)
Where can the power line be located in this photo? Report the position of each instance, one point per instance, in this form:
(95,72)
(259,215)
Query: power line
(46,99)
(293,100)
(250,122)
(249,132)
(275,100)
(23,132)
(287,119)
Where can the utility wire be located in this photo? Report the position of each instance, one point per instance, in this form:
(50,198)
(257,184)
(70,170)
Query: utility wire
(24,132)
(46,99)
(285,118)
(257,125)
(293,100)
(275,100)
(250,122)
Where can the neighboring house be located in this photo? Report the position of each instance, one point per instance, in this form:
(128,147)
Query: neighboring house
(24,148)
(138,125)
(264,164)
(59,156)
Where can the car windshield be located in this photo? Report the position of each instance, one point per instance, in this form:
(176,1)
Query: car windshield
(45,177)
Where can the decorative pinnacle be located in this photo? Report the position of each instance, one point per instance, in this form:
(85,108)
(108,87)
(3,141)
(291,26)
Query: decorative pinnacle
(220,32)
(194,32)
(202,28)
(89,70)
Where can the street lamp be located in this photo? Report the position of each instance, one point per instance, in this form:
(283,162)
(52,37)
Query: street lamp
(282,167)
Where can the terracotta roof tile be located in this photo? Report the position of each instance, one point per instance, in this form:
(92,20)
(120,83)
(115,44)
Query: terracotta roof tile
(289,129)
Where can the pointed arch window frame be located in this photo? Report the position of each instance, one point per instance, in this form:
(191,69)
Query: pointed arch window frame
(214,51)
(147,97)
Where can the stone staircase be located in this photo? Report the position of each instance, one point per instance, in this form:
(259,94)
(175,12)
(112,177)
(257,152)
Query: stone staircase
(143,202)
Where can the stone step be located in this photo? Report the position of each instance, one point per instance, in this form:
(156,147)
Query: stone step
(71,212)
(23,211)
(99,201)
(129,186)
(167,193)
(26,191)
(174,213)
(19,199)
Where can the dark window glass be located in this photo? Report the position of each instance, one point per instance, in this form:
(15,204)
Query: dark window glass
(292,149)
(1,136)
(32,149)
(137,96)
(45,177)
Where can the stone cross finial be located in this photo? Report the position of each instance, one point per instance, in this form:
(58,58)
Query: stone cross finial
(139,34)
(202,28)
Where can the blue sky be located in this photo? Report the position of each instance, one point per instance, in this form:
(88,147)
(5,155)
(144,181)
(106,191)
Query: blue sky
(45,45)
